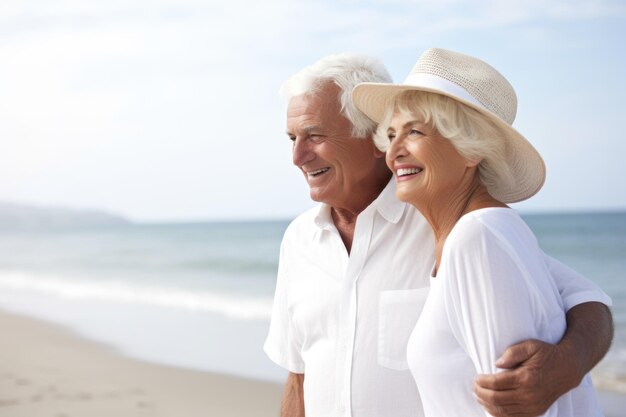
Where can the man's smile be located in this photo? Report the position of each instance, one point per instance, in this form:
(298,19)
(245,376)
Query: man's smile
(316,173)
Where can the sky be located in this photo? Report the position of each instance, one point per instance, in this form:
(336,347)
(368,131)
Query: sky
(168,110)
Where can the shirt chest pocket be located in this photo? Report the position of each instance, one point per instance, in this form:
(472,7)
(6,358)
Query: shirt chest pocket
(398,314)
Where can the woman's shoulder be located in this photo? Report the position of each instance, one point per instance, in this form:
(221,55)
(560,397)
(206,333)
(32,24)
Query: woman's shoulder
(497,246)
(493,224)
(484,220)
(490,215)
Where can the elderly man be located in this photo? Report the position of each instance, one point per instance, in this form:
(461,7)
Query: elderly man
(353,275)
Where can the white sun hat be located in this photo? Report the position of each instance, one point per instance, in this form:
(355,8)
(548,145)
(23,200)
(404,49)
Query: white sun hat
(478,85)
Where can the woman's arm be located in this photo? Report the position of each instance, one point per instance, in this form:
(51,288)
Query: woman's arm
(498,294)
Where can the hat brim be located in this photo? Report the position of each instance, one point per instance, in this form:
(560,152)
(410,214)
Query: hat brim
(528,168)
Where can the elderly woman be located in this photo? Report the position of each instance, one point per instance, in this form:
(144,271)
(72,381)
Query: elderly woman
(449,142)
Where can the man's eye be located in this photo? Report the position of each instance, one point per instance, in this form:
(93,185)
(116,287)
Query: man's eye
(292,138)
(316,138)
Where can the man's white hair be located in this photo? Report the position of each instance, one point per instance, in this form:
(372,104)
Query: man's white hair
(346,70)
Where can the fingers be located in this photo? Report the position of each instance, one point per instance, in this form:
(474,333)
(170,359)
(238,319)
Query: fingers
(529,389)
(515,355)
(507,380)
(506,403)
(512,393)
(498,398)
(509,410)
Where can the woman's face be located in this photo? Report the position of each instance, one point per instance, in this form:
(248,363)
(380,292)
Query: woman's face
(426,165)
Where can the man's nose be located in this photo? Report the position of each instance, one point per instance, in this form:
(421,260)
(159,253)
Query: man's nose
(301,153)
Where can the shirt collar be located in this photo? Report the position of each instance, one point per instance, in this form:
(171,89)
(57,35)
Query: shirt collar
(323,218)
(386,204)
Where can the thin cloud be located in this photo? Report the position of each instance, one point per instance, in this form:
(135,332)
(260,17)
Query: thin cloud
(402,19)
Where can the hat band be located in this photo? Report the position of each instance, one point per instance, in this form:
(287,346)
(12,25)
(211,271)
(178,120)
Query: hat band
(435,82)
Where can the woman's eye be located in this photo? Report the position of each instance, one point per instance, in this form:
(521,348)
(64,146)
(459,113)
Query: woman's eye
(415,132)
(391,136)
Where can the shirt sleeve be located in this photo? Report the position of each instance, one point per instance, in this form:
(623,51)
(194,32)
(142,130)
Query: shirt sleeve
(573,287)
(489,298)
(281,344)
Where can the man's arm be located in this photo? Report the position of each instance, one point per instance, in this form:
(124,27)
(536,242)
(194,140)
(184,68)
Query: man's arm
(541,372)
(292,404)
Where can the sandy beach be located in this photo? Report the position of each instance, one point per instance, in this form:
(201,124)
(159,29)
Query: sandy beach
(47,371)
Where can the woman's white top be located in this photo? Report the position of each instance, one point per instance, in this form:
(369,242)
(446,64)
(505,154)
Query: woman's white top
(492,289)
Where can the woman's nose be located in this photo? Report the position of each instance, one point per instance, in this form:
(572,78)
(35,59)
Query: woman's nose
(396,149)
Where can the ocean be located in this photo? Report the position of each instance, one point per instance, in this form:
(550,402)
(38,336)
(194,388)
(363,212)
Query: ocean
(199,295)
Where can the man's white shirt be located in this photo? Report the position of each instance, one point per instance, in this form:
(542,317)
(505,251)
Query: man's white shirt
(344,320)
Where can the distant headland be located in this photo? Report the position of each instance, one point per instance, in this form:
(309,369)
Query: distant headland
(25,217)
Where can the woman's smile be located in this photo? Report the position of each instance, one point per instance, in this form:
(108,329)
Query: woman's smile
(406,173)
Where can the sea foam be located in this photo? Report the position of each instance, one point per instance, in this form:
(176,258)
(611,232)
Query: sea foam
(242,307)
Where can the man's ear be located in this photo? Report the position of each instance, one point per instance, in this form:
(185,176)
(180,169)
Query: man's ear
(378,153)
(472,163)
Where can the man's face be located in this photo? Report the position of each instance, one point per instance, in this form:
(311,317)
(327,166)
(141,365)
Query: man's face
(336,165)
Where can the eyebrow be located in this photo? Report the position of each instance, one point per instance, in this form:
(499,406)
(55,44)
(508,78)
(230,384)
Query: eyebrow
(410,123)
(307,130)
(404,126)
